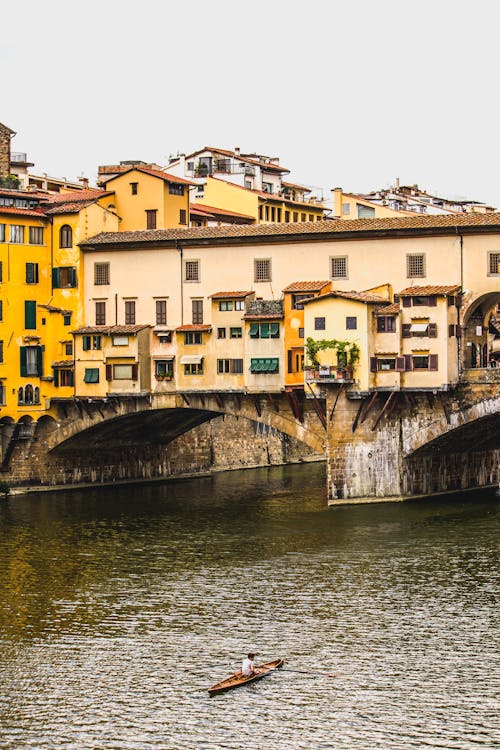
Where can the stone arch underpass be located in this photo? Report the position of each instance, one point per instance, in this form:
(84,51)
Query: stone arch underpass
(122,438)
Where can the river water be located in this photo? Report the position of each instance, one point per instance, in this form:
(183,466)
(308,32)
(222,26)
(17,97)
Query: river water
(120,606)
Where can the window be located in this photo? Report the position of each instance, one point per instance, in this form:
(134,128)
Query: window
(346,209)
(1,351)
(16,234)
(192,270)
(234,366)
(66,236)
(351,323)
(264,330)
(225,305)
(175,189)
(124,372)
(89,342)
(493,264)
(1,310)
(164,368)
(420,362)
(194,369)
(161,312)
(262,269)
(134,188)
(182,216)
(63,378)
(415,266)
(295,216)
(67,319)
(165,338)
(32,273)
(100,313)
(303,217)
(129,312)
(298,299)
(1,269)
(197,311)
(68,349)
(386,363)
(2,232)
(236,332)
(301,333)
(35,236)
(267,187)
(2,395)
(151,218)
(193,337)
(248,185)
(221,333)
(31,361)
(386,324)
(101,274)
(30,314)
(338,267)
(91,375)
(287,217)
(64,277)
(264,365)
(365,212)
(239,304)
(319,324)
(120,340)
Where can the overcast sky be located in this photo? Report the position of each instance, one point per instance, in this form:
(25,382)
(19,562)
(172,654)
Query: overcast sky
(350,93)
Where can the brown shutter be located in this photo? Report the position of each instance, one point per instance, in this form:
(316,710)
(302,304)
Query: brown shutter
(135,371)
(451,330)
(373,364)
(406,301)
(109,372)
(400,364)
(433,362)
(408,362)
(406,330)
(433,330)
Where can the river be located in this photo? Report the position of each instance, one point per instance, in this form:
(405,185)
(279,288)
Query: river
(120,606)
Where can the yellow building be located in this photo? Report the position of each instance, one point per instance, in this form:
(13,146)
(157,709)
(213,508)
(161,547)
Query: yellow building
(355,206)
(145,198)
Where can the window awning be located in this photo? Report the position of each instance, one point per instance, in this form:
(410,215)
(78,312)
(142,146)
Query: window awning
(267,364)
(254,329)
(419,327)
(190,359)
(168,357)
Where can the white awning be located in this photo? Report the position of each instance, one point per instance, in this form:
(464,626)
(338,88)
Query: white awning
(419,327)
(191,359)
(163,356)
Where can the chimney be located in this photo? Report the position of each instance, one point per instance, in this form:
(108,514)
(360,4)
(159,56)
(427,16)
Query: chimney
(237,151)
(84,181)
(337,202)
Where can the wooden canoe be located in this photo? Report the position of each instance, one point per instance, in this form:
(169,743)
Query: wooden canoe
(238,678)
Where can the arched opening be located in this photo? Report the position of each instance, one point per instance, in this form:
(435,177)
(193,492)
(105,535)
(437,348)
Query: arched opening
(481,333)
(66,236)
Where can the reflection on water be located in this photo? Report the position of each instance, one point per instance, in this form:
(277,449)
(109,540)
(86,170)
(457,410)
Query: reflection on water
(119,607)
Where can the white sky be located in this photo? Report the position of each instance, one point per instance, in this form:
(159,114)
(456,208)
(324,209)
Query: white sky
(351,93)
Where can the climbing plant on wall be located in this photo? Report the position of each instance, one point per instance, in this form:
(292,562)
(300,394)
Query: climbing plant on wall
(347,351)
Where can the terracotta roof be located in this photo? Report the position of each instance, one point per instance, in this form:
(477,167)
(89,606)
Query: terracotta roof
(70,207)
(364,297)
(328,229)
(306,286)
(111,330)
(230,295)
(203,210)
(194,327)
(74,196)
(392,309)
(417,291)
(154,173)
(63,363)
(13,211)
(51,308)
(263,316)
(297,187)
(247,158)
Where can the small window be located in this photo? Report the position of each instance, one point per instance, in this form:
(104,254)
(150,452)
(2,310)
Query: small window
(175,189)
(16,234)
(196,369)
(386,363)
(68,349)
(100,313)
(221,333)
(192,270)
(1,351)
(120,340)
(295,216)
(319,324)
(1,268)
(301,333)
(338,267)
(64,277)
(164,368)
(287,217)
(225,305)
(2,232)
(96,342)
(365,212)
(262,269)
(298,299)
(35,236)
(303,217)
(30,314)
(91,375)
(236,332)
(64,377)
(239,304)
(66,236)
(123,372)
(32,273)
(182,216)
(493,264)
(67,319)
(161,312)
(420,362)
(101,274)
(197,311)
(1,310)
(193,337)
(386,324)
(346,209)
(351,323)
(134,188)
(129,312)
(151,218)
(415,266)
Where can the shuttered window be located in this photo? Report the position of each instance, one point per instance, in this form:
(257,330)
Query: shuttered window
(261,365)
(91,375)
(31,361)
(63,277)
(197,311)
(32,273)
(30,314)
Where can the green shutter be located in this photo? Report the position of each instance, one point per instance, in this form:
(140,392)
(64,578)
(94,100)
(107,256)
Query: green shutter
(73,277)
(56,278)
(24,367)
(56,378)
(254,330)
(39,367)
(275,330)
(264,330)
(91,375)
(29,314)
(85,343)
(273,364)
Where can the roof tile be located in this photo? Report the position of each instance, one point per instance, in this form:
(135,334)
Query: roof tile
(306,286)
(417,291)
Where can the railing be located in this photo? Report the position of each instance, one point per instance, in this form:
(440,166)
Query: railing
(328,373)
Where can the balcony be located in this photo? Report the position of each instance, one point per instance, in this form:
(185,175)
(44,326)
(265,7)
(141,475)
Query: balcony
(329,374)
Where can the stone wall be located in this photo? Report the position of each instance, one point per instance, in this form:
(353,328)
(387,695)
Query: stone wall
(5,135)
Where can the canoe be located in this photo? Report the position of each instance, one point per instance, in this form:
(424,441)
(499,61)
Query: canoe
(238,678)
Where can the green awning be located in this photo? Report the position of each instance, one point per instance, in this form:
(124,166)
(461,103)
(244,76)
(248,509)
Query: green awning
(275,330)
(91,375)
(267,364)
(254,330)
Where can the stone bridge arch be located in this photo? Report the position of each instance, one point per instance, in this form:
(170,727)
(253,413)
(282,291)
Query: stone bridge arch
(478,346)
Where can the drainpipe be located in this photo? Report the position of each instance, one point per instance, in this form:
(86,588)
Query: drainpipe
(459,324)
(179,248)
(116,308)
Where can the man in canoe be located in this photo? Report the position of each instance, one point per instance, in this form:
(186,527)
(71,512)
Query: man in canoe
(248,666)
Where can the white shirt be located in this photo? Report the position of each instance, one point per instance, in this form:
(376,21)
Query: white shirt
(247,666)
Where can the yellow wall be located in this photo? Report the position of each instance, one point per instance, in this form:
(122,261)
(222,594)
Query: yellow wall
(225,195)
(351,202)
